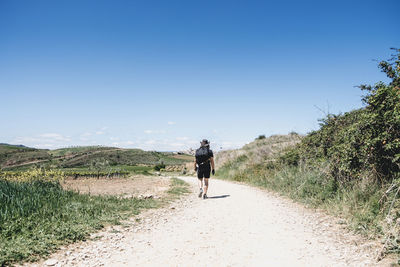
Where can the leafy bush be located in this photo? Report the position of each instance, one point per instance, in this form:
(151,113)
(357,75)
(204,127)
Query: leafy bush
(290,157)
(362,141)
(159,166)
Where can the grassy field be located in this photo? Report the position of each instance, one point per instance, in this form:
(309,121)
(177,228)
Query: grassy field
(37,216)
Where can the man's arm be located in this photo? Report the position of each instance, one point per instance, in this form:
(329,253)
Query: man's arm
(212,164)
(195,165)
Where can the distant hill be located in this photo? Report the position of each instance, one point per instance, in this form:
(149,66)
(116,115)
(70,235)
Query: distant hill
(5,144)
(19,156)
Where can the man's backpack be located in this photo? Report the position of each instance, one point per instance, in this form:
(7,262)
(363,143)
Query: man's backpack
(203,155)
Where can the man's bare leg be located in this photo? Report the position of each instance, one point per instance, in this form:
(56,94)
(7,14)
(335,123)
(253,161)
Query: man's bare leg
(205,185)
(201,187)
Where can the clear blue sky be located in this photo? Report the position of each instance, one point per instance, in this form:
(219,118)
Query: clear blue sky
(164,74)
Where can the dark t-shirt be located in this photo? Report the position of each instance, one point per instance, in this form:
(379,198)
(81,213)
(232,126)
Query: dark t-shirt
(202,155)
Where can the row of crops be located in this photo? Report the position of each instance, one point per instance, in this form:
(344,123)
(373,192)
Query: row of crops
(55,175)
(33,175)
(95,174)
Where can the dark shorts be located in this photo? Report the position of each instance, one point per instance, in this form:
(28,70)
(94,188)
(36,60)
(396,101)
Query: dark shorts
(204,171)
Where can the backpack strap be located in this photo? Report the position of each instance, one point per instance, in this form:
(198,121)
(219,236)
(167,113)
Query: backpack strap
(204,162)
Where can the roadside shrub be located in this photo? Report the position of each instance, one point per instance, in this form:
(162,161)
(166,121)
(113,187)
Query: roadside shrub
(290,156)
(159,166)
(366,139)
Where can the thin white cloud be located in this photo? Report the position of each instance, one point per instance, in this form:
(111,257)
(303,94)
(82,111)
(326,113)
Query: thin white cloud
(50,135)
(128,143)
(49,146)
(25,140)
(54,136)
(166,144)
(85,136)
(101,131)
(180,145)
(45,140)
(171,123)
(154,132)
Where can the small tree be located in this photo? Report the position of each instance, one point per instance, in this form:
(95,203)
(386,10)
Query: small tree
(99,165)
(260,137)
(159,166)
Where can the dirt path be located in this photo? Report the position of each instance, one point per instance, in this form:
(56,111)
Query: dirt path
(237,226)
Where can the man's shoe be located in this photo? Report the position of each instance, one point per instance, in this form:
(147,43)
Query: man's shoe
(201,192)
(205,196)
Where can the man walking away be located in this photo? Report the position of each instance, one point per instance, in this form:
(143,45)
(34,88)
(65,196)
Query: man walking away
(204,165)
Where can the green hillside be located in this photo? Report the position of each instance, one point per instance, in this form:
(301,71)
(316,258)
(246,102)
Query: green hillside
(17,157)
(11,155)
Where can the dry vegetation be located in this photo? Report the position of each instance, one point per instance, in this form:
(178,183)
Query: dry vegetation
(259,151)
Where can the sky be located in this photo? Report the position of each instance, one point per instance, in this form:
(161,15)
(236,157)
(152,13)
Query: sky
(162,75)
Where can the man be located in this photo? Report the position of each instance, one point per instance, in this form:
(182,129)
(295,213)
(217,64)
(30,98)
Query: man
(204,165)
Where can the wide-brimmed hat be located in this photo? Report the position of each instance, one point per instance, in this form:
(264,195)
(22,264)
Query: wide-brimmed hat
(205,141)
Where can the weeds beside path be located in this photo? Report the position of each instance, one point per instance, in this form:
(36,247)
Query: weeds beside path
(38,217)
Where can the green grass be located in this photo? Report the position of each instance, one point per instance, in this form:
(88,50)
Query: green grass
(178,187)
(36,218)
(136,169)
